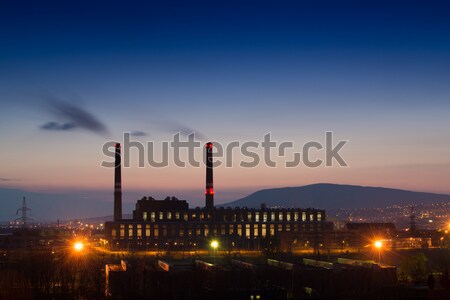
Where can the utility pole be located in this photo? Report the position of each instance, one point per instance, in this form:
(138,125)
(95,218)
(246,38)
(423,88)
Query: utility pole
(24,219)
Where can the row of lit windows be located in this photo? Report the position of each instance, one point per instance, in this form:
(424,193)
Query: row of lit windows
(248,230)
(243,217)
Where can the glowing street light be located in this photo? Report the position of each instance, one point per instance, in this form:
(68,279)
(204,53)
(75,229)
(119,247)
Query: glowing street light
(379,245)
(214,245)
(78,246)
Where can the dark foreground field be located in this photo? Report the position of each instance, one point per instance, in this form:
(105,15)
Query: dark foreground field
(65,274)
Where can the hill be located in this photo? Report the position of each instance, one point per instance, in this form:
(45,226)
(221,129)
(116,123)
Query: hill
(334,196)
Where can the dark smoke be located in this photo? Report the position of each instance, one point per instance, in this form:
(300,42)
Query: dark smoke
(77,116)
(138,133)
(58,126)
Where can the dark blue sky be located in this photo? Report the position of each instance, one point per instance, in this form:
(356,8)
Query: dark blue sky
(232,30)
(376,73)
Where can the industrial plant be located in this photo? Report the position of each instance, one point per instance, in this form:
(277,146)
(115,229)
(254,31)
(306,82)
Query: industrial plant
(171,224)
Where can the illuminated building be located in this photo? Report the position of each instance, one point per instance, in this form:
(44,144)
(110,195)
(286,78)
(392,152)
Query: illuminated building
(169,223)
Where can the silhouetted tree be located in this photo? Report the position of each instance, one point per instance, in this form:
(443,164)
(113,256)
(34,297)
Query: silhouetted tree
(415,267)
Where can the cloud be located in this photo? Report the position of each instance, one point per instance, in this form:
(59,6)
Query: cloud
(4,179)
(138,133)
(75,116)
(58,126)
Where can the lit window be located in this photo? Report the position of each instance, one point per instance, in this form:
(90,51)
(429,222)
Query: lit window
(139,231)
(230,229)
(263,230)
(144,216)
(130,230)
(147,230)
(319,217)
(280,216)
(177,215)
(272,216)
(265,217)
(113,233)
(152,216)
(249,216)
(156,230)
(311,217)
(256,216)
(296,216)
(206,230)
(239,229)
(161,216)
(303,216)
(169,215)
(255,230)
(288,216)
(272,229)
(247,230)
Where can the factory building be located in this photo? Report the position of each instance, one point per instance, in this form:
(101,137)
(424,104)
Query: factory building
(171,224)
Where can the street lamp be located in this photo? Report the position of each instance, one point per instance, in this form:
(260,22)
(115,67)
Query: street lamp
(379,245)
(78,246)
(214,245)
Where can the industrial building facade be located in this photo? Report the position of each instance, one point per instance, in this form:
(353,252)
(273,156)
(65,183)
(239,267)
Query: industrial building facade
(170,224)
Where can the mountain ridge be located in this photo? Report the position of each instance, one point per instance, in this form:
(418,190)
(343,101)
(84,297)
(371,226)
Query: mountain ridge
(333,196)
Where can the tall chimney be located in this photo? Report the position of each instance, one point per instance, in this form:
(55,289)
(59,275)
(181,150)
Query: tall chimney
(209,192)
(117,185)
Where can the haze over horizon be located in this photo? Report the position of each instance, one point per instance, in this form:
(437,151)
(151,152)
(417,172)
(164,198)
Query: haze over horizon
(332,197)
(76,75)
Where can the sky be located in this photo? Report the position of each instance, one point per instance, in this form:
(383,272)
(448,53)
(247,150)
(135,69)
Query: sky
(77,74)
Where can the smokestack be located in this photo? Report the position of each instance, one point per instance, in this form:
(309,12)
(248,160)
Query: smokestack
(117,185)
(209,192)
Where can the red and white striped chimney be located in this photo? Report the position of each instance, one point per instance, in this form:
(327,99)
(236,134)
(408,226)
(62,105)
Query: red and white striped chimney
(209,191)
